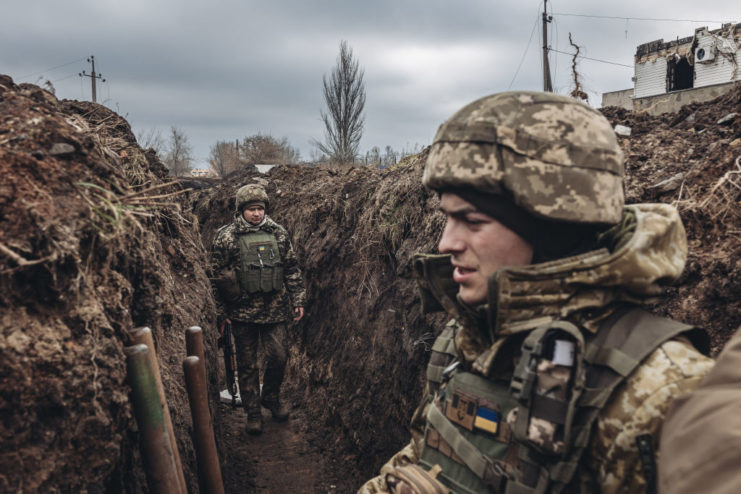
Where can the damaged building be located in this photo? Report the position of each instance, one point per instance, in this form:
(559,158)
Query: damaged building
(671,74)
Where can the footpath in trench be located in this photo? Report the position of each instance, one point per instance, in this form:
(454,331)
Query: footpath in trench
(286,457)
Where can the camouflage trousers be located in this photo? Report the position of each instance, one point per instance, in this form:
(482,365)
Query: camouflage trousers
(247,339)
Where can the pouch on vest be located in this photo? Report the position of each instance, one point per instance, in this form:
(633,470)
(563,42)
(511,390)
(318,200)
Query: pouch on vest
(467,433)
(547,383)
(261,269)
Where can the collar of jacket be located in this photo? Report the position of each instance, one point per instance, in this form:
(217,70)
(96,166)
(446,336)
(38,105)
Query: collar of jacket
(244,226)
(582,288)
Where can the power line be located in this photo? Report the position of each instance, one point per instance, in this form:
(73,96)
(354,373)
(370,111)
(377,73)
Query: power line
(594,59)
(535,24)
(53,68)
(636,18)
(63,78)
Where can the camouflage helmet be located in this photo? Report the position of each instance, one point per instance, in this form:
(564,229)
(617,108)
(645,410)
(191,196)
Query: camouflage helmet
(251,194)
(556,157)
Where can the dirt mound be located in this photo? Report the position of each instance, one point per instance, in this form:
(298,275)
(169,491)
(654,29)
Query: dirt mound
(692,159)
(93,243)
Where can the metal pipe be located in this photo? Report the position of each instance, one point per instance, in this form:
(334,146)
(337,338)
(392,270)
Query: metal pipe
(143,335)
(157,456)
(209,470)
(194,343)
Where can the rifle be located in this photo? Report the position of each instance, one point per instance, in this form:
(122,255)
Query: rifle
(226,342)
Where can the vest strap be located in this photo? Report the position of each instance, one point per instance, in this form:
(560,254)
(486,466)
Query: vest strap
(514,487)
(613,358)
(563,471)
(549,409)
(595,397)
(491,472)
(444,345)
(435,373)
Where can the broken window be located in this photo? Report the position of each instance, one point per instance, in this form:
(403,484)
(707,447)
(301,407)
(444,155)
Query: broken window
(679,74)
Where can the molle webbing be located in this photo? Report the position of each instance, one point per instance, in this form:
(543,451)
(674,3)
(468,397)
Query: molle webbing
(260,267)
(491,472)
(623,341)
(443,352)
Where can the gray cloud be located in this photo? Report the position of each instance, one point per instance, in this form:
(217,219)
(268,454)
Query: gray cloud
(226,69)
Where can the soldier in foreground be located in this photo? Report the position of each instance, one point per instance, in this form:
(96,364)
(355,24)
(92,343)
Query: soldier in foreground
(549,377)
(256,281)
(701,436)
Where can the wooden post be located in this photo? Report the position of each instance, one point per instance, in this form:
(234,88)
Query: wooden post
(157,454)
(143,335)
(209,470)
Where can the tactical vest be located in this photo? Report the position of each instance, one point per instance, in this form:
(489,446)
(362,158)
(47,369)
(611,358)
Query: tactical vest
(526,434)
(260,266)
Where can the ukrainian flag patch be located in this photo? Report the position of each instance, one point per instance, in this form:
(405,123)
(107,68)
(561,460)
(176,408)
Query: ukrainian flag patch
(487,420)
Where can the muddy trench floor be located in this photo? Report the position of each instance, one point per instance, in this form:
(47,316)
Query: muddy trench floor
(286,457)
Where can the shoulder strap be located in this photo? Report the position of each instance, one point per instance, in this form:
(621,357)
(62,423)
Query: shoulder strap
(444,344)
(628,337)
(623,341)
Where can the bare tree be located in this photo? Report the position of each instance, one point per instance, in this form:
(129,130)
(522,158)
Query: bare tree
(344,95)
(151,139)
(373,157)
(389,158)
(266,149)
(179,153)
(223,159)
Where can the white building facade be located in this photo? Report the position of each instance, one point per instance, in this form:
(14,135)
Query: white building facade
(696,68)
(705,59)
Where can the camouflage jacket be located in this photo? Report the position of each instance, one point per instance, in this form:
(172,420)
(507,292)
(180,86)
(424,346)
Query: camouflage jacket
(649,247)
(262,308)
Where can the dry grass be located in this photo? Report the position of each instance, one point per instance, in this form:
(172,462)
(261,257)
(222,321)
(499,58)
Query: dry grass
(721,202)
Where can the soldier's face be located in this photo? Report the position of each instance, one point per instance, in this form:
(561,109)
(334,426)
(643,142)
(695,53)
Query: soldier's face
(254,214)
(479,246)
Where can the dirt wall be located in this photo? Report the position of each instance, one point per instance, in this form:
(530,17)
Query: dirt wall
(93,243)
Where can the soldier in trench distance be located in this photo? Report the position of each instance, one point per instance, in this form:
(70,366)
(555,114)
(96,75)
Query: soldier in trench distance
(549,377)
(256,281)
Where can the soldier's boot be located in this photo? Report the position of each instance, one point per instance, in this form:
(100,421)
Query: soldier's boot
(254,422)
(278,409)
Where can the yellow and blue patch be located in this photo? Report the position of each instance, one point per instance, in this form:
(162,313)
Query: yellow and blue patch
(486,420)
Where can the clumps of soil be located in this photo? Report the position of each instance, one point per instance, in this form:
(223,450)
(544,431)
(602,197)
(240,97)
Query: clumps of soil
(93,243)
(692,159)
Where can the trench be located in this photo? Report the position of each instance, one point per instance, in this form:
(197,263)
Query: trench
(97,240)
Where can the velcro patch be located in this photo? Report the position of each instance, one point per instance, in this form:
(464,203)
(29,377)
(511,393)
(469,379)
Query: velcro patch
(461,409)
(487,419)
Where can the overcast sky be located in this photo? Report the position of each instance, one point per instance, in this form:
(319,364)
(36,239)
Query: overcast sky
(226,69)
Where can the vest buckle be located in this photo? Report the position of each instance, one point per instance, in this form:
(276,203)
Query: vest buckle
(524,375)
(448,371)
(495,476)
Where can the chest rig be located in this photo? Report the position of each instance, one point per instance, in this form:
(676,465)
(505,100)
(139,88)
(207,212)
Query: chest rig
(524,432)
(260,266)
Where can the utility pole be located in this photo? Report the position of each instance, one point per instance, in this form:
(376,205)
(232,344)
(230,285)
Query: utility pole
(92,76)
(547,85)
